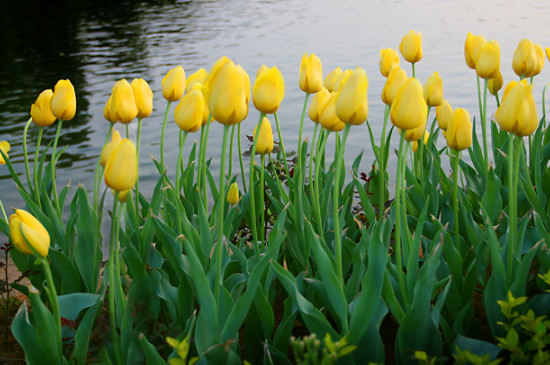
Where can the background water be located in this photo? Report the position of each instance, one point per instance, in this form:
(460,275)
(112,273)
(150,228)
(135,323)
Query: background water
(97,42)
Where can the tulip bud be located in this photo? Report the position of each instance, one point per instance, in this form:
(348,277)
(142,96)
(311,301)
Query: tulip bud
(265,138)
(472,46)
(173,84)
(517,112)
(233,194)
(352,105)
(107,110)
(540,59)
(547,50)
(122,195)
(414,145)
(190,110)
(123,104)
(40,111)
(488,60)
(318,103)
(311,74)
(198,77)
(331,78)
(5,147)
(395,80)
(210,78)
(389,58)
(143,96)
(459,133)
(416,133)
(433,90)
(28,235)
(409,109)
(341,80)
(411,46)
(328,118)
(121,169)
(444,113)
(268,90)
(63,102)
(525,59)
(229,93)
(495,84)
(108,148)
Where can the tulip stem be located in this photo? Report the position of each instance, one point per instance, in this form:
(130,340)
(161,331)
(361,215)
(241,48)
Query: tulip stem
(544,105)
(98,169)
(231,139)
(484,124)
(27,170)
(251,185)
(221,206)
(52,295)
(339,157)
(138,141)
(413,64)
(282,145)
(456,172)
(53,162)
(317,200)
(241,156)
(262,204)
(163,168)
(513,161)
(204,143)
(301,130)
(313,145)
(179,167)
(35,167)
(113,287)
(382,164)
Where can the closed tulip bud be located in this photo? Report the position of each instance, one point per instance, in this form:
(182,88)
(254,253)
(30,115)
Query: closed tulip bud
(233,194)
(143,96)
(540,59)
(108,148)
(389,58)
(311,74)
(229,93)
(63,102)
(173,84)
(5,147)
(211,77)
(265,137)
(495,84)
(444,113)
(331,78)
(107,110)
(547,50)
(409,109)
(414,145)
(352,105)
(268,90)
(488,61)
(198,77)
(433,90)
(395,80)
(328,118)
(190,110)
(40,111)
(123,104)
(525,59)
(411,46)
(416,133)
(318,103)
(121,169)
(122,195)
(341,80)
(517,112)
(28,235)
(472,46)
(459,133)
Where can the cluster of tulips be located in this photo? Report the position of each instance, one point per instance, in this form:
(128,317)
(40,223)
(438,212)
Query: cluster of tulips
(204,275)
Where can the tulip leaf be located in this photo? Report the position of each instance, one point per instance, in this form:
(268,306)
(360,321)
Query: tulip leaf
(68,277)
(82,336)
(491,199)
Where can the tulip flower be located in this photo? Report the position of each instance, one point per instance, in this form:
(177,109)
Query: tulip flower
(472,46)
(28,235)
(233,194)
(107,110)
(311,74)
(517,112)
(540,60)
(547,50)
(209,80)
(228,94)
(122,195)
(488,60)
(411,46)
(328,117)
(121,168)
(190,110)
(414,145)
(143,96)
(268,90)
(5,147)
(40,111)
(63,102)
(331,79)
(198,77)
(525,58)
(409,109)
(265,138)
(495,84)
(318,103)
(341,79)
(415,134)
(395,80)
(108,148)
(389,58)
(351,103)
(123,104)
(173,84)
(444,113)
(459,133)
(433,90)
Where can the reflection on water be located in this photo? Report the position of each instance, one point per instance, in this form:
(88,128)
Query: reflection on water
(95,43)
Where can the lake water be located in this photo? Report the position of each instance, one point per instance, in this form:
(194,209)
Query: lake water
(96,43)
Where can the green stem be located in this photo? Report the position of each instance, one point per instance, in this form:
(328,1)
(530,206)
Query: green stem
(53,162)
(203,161)
(251,185)
(301,130)
(317,182)
(282,145)
(313,145)
(35,167)
(113,252)
(26,156)
(262,204)
(484,125)
(138,142)
(382,165)
(231,139)
(544,105)
(52,295)
(512,210)
(414,69)
(456,166)
(397,202)
(518,151)
(179,165)
(221,207)
(99,169)
(162,136)
(241,157)
(198,158)
(3,212)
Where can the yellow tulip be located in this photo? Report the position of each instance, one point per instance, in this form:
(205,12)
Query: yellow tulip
(318,103)
(143,96)
(416,133)
(246,81)
(198,77)
(444,113)
(409,109)
(517,112)
(495,84)
(540,60)
(414,145)
(525,59)
(173,84)
(26,230)
(121,169)
(210,78)
(40,111)
(190,110)
(389,58)
(472,46)
(488,60)
(411,46)
(433,90)
(311,74)
(5,147)
(328,118)
(547,50)
(233,194)
(108,148)
(395,80)
(265,137)
(331,78)
(123,104)
(63,102)
(352,105)
(107,110)
(268,90)
(459,133)
(229,93)
(341,80)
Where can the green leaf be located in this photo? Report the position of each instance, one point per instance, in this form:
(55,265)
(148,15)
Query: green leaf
(70,305)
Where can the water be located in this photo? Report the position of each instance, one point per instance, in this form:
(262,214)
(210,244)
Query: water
(96,43)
